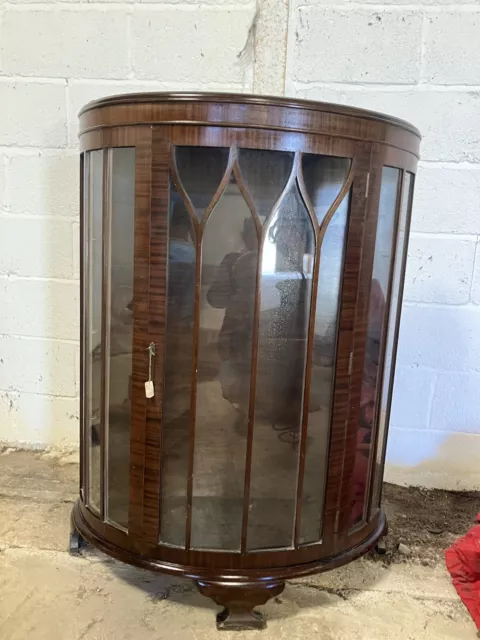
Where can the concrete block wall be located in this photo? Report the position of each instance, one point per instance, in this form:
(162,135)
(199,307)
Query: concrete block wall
(414,58)
(418,60)
(54,58)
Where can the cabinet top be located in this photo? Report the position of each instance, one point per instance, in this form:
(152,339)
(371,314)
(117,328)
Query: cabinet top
(142,99)
(214,113)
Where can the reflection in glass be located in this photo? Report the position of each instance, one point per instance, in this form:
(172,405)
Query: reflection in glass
(93,335)
(178,371)
(389,364)
(201,170)
(286,280)
(119,342)
(228,278)
(265,174)
(322,376)
(375,330)
(324,176)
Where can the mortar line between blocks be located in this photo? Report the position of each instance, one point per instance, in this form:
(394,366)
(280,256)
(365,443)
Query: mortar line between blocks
(439,164)
(393,8)
(18,278)
(21,392)
(441,235)
(106,7)
(299,86)
(432,430)
(16,336)
(442,305)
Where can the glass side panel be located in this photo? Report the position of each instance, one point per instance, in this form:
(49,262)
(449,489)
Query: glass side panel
(83,333)
(389,365)
(201,170)
(323,371)
(265,174)
(119,318)
(93,374)
(382,264)
(228,279)
(324,176)
(178,372)
(286,279)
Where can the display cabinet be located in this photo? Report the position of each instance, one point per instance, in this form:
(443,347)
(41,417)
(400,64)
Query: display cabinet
(242,265)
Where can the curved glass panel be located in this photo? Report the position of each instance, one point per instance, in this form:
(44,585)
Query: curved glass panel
(389,364)
(324,176)
(201,170)
(119,332)
(379,292)
(93,334)
(323,371)
(286,282)
(178,371)
(265,174)
(227,291)
(227,300)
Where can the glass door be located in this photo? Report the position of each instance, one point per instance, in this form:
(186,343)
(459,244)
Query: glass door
(256,244)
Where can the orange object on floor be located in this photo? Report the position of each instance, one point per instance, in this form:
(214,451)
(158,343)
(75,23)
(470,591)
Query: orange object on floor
(463,563)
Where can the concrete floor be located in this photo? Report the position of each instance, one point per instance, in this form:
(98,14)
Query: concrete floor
(45,594)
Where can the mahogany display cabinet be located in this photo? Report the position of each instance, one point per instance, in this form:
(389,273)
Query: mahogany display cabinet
(242,265)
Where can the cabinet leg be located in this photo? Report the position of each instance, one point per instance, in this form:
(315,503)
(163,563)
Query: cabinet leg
(381,546)
(76,541)
(239,602)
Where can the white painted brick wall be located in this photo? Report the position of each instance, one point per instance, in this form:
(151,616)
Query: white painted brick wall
(37,366)
(214,39)
(38,418)
(36,247)
(43,183)
(3,172)
(439,269)
(447,199)
(46,32)
(418,60)
(445,138)
(32,113)
(440,337)
(458,34)
(476,277)
(54,58)
(453,409)
(411,405)
(39,308)
(381,37)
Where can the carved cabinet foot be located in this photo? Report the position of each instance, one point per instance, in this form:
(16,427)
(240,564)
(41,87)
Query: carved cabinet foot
(239,601)
(381,546)
(76,541)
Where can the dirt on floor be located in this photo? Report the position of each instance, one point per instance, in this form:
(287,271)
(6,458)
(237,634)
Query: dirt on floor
(47,594)
(424,522)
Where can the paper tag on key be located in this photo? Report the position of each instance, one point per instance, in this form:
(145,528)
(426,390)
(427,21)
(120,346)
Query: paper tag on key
(149,390)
